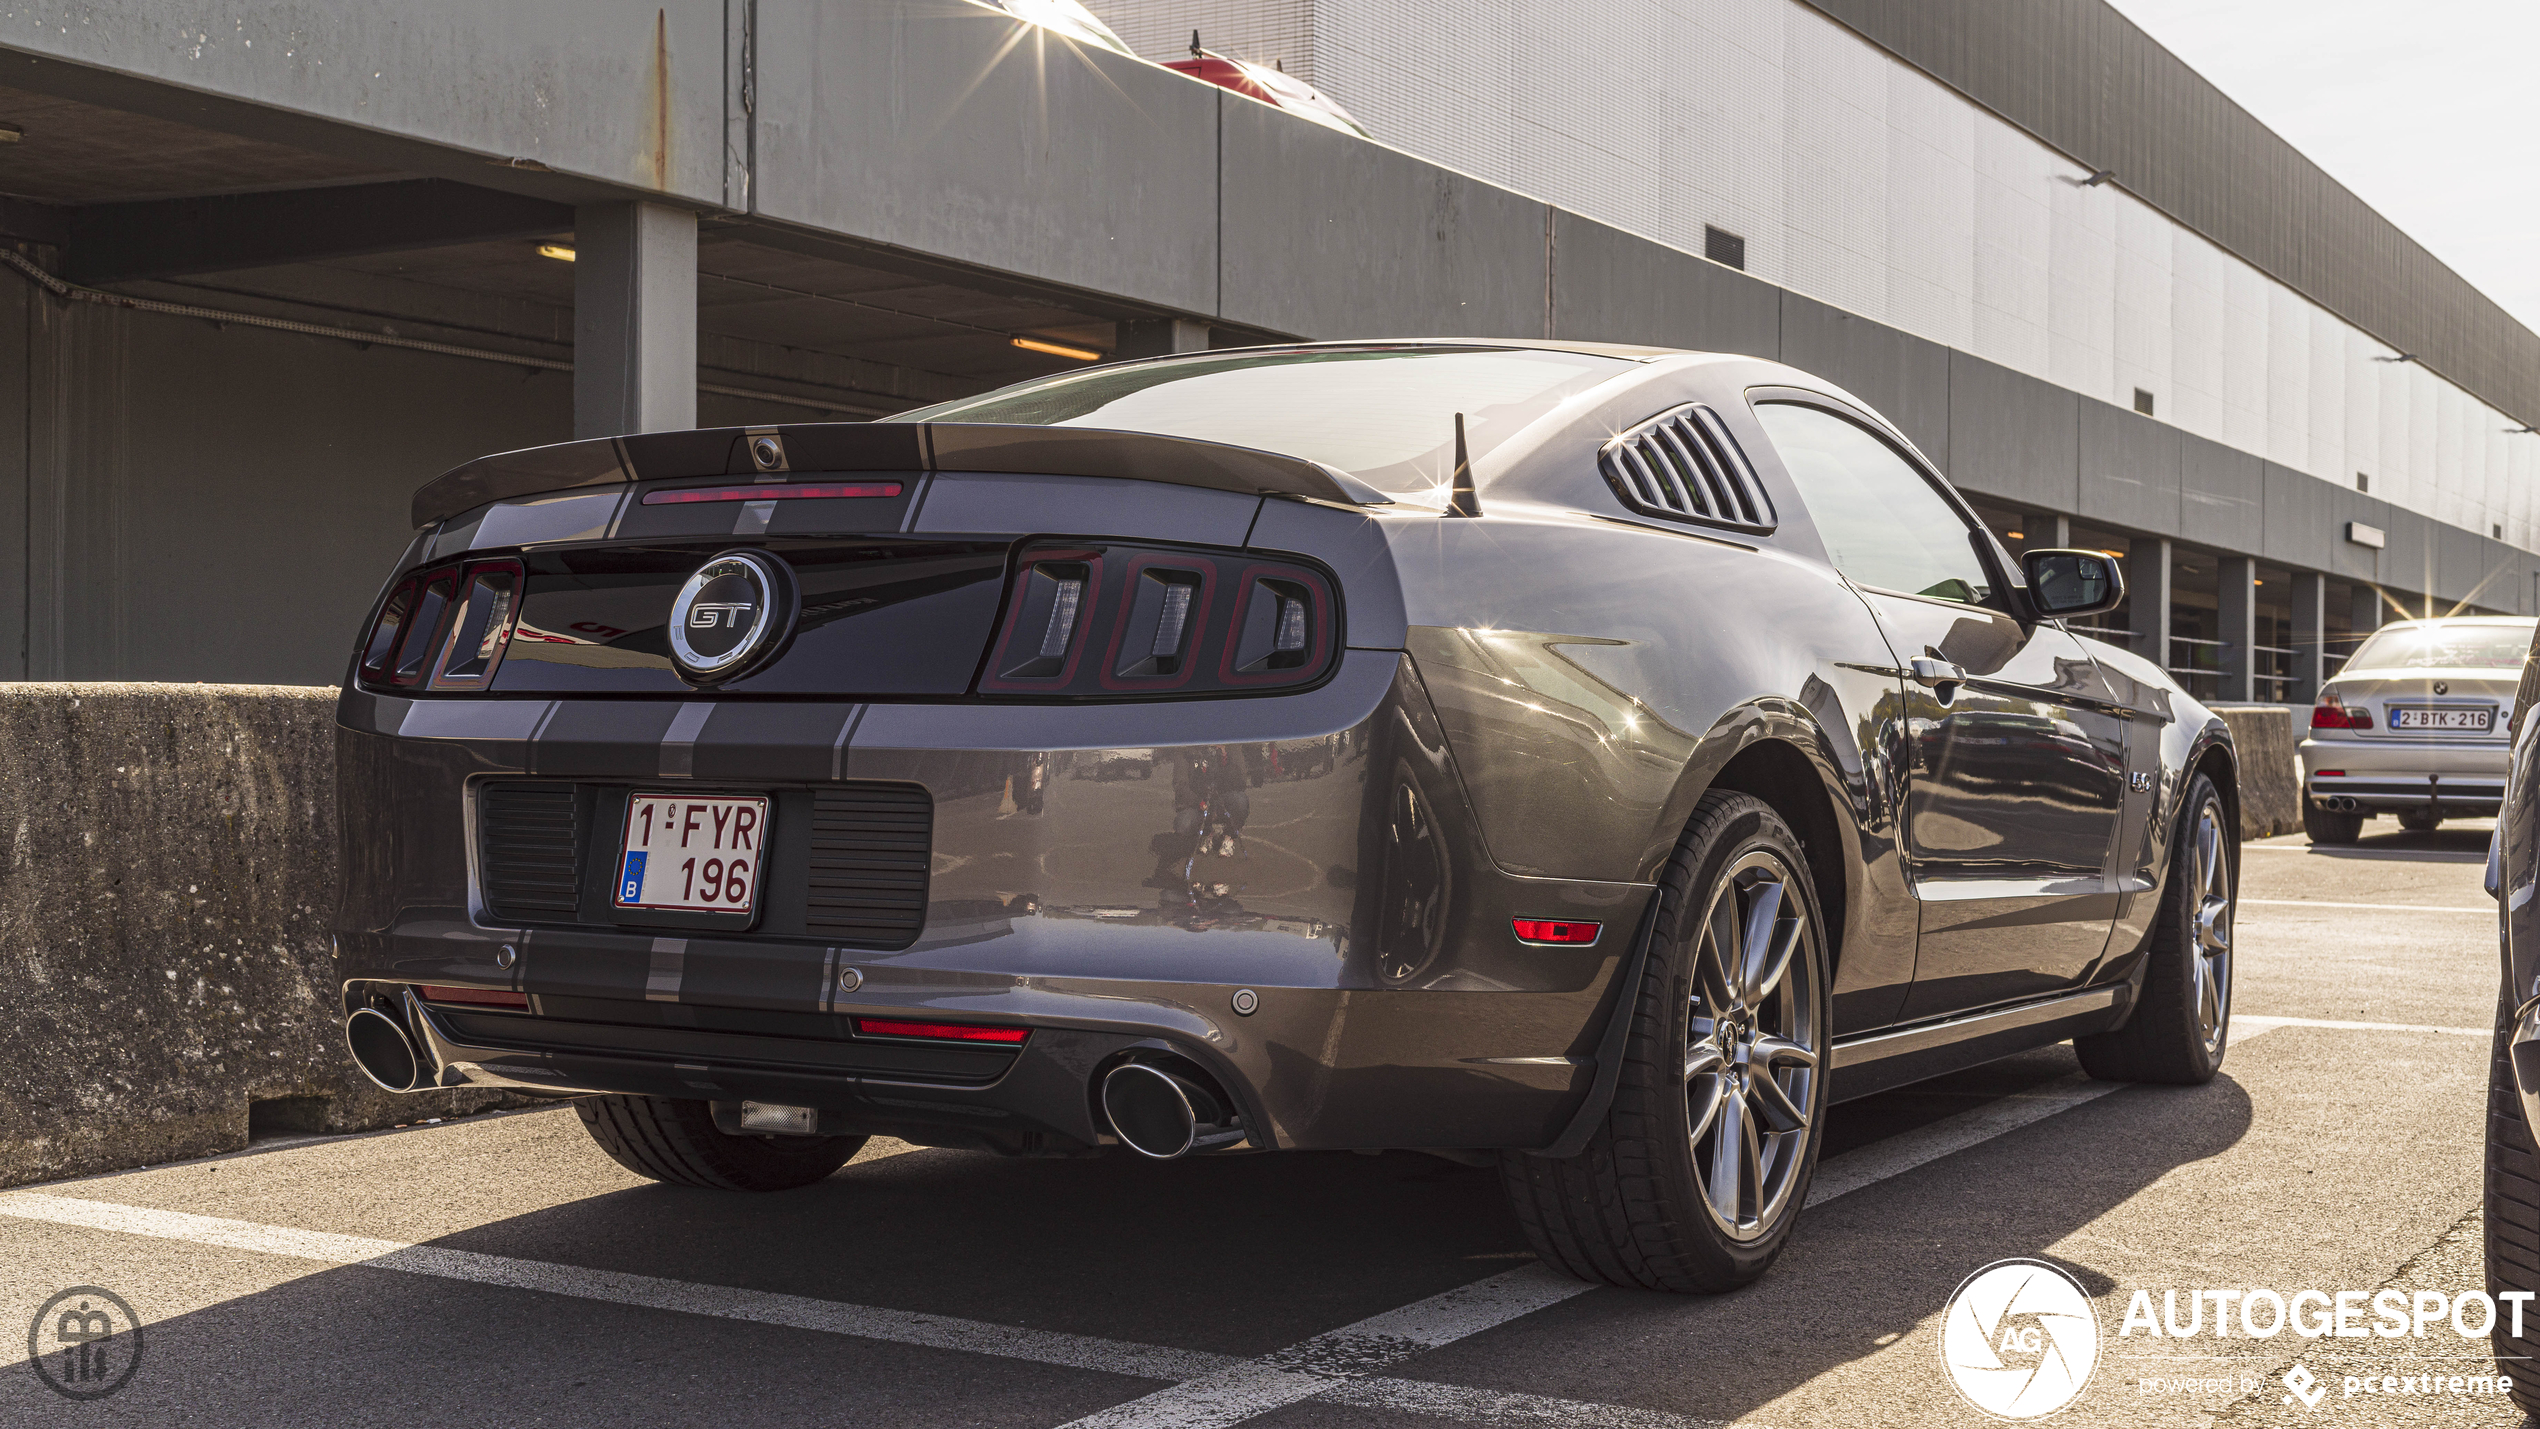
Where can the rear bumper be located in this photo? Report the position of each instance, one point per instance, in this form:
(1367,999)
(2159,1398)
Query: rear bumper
(2457,778)
(1103,877)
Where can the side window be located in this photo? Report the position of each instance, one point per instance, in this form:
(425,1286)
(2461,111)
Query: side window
(1882,523)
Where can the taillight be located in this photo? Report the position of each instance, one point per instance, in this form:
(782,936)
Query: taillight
(381,643)
(1087,621)
(483,626)
(421,638)
(446,627)
(939,1031)
(2331,713)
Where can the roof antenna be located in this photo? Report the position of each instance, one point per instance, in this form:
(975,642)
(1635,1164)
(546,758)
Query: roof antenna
(1196,51)
(1464,502)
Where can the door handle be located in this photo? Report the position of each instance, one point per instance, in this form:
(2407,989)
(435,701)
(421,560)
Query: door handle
(1943,677)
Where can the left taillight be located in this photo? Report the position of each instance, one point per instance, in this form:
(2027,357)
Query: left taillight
(1106,621)
(445,628)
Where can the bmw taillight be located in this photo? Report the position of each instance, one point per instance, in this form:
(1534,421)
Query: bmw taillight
(1088,620)
(446,627)
(2332,713)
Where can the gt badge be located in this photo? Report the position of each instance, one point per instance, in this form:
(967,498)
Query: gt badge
(2141,779)
(731,614)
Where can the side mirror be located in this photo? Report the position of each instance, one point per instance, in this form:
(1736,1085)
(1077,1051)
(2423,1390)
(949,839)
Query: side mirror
(2062,584)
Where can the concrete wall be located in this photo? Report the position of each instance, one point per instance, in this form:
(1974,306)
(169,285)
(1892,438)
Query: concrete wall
(164,900)
(2264,738)
(182,501)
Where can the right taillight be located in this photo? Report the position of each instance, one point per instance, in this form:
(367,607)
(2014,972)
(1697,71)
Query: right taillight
(1087,621)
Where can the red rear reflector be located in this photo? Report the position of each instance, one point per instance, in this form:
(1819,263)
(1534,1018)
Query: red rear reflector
(482,996)
(771,493)
(1544,930)
(940,1031)
(2330,774)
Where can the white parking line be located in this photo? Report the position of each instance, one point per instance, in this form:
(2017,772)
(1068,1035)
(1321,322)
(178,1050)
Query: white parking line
(616,1287)
(2257,1024)
(2489,910)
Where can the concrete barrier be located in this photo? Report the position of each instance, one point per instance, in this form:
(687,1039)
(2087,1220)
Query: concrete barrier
(170,871)
(2270,773)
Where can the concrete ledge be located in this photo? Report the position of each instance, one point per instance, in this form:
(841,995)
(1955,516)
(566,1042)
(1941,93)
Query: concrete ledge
(2270,772)
(169,875)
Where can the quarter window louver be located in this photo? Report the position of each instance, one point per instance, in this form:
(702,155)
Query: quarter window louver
(871,848)
(529,846)
(1685,466)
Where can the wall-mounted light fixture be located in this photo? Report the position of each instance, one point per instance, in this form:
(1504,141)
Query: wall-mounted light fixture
(1081,354)
(2101,177)
(2402,357)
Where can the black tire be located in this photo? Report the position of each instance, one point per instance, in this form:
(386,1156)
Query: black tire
(2327,828)
(1632,1209)
(2513,1215)
(2417,821)
(675,1141)
(2181,1024)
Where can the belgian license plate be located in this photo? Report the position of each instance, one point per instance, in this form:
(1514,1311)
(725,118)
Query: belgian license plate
(2467,721)
(692,853)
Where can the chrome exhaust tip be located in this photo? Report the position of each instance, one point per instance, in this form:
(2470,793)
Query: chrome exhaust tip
(1162,1116)
(383,1051)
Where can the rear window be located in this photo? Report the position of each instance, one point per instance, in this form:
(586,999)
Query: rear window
(1384,415)
(2445,647)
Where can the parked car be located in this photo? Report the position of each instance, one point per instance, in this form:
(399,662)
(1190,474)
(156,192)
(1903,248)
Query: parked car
(2513,1073)
(1269,84)
(2414,725)
(1591,759)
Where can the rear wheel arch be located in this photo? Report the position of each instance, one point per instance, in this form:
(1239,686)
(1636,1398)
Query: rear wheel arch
(2215,762)
(1784,776)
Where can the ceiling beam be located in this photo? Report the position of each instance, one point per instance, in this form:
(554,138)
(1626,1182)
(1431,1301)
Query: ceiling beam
(171,238)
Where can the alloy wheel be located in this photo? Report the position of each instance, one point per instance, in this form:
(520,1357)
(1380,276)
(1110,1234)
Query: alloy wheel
(1754,1045)
(2210,930)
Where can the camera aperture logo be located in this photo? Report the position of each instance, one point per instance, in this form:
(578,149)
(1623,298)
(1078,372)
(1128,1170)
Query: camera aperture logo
(85,1343)
(2020,1339)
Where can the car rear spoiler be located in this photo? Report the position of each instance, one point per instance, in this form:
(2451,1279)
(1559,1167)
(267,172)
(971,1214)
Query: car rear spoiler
(886,446)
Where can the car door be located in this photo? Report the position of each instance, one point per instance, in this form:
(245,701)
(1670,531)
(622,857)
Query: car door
(2015,759)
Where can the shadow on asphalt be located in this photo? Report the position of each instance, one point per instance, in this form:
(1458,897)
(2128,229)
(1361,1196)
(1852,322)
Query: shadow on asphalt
(1240,1255)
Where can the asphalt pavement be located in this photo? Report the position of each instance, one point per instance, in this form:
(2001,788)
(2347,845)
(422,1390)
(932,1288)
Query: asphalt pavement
(499,1270)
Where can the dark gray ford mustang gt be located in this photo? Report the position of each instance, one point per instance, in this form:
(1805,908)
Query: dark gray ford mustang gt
(1595,759)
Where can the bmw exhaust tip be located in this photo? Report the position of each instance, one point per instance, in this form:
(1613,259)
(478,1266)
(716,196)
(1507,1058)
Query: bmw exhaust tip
(1162,1116)
(383,1051)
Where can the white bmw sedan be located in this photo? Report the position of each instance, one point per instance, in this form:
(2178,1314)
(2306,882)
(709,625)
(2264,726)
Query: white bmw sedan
(2414,725)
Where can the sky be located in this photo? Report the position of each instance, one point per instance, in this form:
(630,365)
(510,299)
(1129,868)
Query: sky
(2429,111)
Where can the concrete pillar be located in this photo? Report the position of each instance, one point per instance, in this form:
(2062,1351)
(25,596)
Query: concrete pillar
(2368,610)
(1160,337)
(634,319)
(2059,532)
(2310,637)
(2147,578)
(2236,583)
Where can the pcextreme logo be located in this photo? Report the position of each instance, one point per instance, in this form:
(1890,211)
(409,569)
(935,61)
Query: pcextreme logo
(2019,1339)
